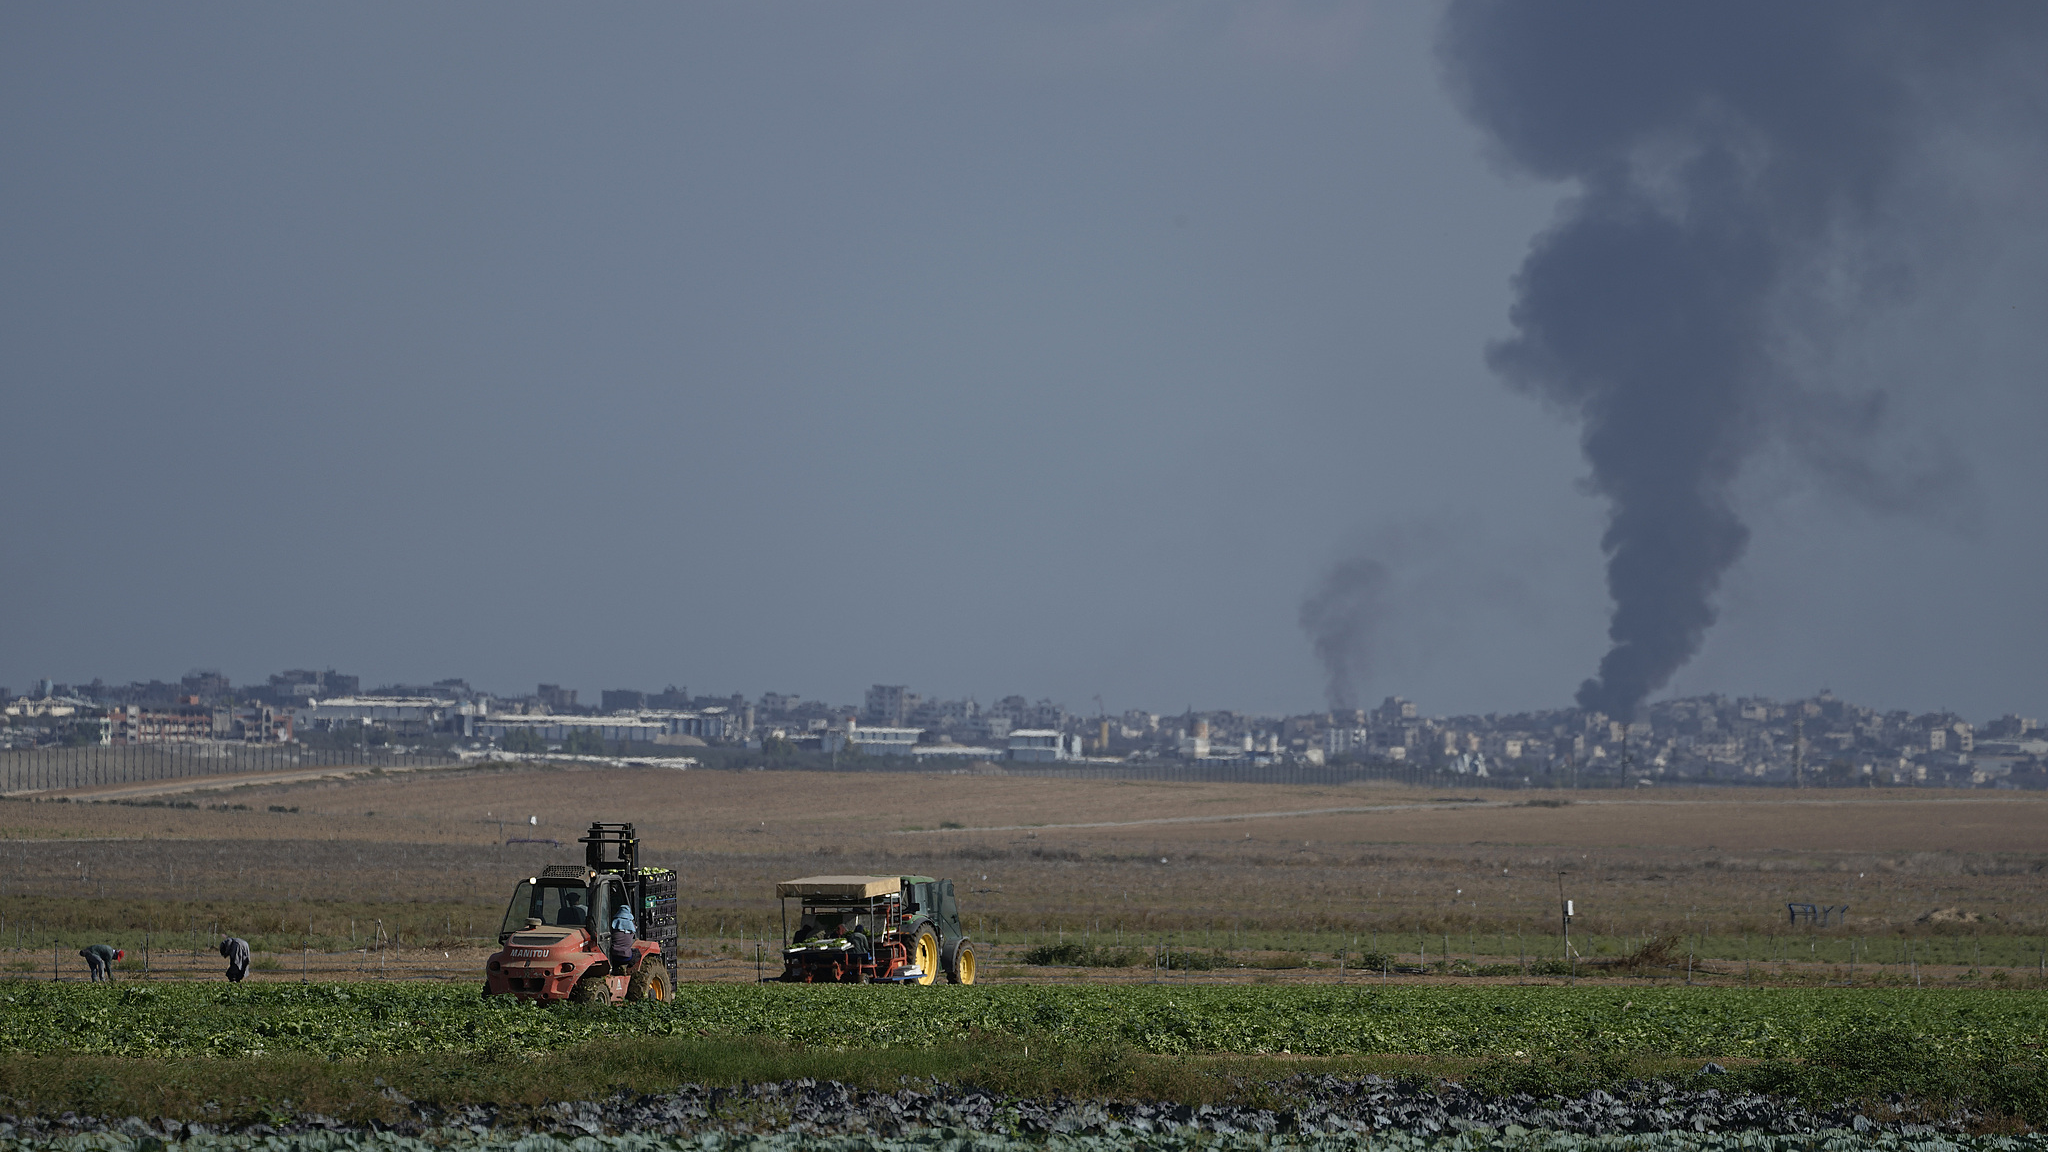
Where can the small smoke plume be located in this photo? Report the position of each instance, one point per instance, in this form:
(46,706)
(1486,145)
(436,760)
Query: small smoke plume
(1342,618)
(1735,165)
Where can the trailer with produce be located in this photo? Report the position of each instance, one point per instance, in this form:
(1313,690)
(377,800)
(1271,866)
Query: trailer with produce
(873,930)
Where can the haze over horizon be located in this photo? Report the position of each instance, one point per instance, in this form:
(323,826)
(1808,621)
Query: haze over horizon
(1062,350)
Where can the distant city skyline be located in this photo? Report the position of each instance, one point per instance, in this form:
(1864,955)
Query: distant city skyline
(1815,740)
(315,683)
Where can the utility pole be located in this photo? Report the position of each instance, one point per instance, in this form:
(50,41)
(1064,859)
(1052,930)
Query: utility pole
(1799,748)
(1565,910)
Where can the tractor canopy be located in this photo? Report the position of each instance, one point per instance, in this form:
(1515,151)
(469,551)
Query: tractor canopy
(834,889)
(838,906)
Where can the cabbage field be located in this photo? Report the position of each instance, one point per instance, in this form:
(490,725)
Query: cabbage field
(952,1140)
(326,1067)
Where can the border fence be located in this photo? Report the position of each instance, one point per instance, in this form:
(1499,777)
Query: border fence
(1212,772)
(42,769)
(1249,773)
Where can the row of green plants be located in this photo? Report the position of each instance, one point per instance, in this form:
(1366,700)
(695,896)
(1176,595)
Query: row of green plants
(324,925)
(216,1051)
(2026,955)
(349,1020)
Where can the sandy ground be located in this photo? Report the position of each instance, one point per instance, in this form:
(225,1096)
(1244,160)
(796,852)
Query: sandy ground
(1209,862)
(719,810)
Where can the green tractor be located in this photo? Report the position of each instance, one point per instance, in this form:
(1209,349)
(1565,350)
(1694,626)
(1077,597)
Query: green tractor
(873,930)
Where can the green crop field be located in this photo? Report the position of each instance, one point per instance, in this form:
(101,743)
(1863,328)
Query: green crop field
(359,1019)
(240,1053)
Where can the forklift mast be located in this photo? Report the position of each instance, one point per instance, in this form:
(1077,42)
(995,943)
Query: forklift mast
(615,849)
(611,848)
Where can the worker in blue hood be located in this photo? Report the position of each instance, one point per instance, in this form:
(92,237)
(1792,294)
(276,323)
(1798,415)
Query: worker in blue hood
(623,931)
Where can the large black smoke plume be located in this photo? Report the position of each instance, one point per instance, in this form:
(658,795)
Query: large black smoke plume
(1734,164)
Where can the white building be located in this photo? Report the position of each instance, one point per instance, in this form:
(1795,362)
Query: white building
(709,724)
(1043,746)
(1338,741)
(384,711)
(870,740)
(51,706)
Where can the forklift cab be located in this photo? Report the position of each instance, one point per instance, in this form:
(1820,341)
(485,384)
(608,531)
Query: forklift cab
(565,902)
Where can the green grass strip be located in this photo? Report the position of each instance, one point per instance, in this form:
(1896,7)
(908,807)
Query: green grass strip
(358,1020)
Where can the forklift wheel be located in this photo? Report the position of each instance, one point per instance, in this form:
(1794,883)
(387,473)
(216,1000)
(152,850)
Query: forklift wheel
(650,983)
(960,968)
(591,989)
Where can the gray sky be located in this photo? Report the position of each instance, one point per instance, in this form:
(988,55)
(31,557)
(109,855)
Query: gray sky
(1049,349)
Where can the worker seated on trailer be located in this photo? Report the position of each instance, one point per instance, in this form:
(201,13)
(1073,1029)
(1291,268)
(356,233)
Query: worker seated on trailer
(819,926)
(853,929)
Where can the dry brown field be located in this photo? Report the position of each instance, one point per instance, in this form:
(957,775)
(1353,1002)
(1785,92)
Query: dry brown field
(1252,869)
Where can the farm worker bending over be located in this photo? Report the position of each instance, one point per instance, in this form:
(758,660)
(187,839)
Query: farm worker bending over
(100,958)
(236,950)
(623,929)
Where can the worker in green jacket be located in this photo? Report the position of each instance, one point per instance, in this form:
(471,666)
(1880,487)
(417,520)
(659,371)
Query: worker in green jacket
(100,959)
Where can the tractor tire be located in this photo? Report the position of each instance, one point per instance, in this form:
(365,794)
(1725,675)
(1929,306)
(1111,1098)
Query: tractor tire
(592,989)
(960,965)
(924,953)
(650,983)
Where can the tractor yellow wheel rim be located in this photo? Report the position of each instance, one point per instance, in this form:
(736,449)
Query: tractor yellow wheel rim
(657,990)
(927,957)
(965,962)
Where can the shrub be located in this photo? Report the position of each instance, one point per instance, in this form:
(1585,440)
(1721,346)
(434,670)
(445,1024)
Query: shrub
(1084,956)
